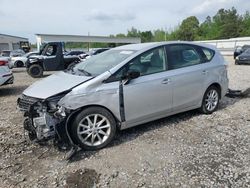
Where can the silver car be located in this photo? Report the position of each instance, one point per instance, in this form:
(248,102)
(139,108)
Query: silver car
(123,87)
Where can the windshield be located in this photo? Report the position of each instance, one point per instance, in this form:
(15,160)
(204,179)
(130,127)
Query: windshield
(247,51)
(103,62)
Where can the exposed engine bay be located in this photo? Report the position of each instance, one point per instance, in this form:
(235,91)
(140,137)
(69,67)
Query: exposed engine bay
(44,120)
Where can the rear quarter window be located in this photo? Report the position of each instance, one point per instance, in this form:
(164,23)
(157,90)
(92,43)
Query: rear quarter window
(209,54)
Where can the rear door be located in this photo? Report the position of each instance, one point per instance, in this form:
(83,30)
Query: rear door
(188,72)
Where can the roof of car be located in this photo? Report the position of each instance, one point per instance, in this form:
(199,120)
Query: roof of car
(141,46)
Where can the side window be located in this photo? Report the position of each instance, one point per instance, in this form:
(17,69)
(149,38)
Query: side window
(150,62)
(181,55)
(51,50)
(208,53)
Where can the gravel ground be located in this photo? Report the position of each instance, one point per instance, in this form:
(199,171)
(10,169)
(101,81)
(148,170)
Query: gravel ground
(185,150)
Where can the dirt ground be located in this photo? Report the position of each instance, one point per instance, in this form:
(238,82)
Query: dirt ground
(184,150)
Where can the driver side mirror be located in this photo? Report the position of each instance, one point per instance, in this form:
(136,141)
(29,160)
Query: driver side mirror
(130,75)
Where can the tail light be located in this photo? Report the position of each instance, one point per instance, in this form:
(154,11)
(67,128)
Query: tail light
(3,63)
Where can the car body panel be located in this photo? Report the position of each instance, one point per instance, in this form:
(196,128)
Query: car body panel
(147,96)
(184,91)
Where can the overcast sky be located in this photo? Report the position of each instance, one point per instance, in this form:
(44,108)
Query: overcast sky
(102,17)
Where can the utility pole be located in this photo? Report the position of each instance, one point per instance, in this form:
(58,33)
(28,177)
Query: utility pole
(165,33)
(88,43)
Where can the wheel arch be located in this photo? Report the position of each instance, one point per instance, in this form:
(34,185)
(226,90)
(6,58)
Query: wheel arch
(71,117)
(217,85)
(77,111)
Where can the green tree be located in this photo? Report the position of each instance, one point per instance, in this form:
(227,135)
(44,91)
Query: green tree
(121,35)
(227,23)
(189,29)
(146,36)
(133,33)
(245,25)
(159,35)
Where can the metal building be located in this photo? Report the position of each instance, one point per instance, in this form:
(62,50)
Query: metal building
(9,42)
(40,38)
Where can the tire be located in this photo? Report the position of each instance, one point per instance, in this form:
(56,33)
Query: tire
(19,64)
(210,100)
(36,71)
(93,136)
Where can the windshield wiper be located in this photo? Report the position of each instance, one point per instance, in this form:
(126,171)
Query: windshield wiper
(84,72)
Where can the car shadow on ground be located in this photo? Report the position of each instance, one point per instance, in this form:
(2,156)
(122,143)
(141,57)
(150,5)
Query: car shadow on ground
(134,132)
(18,70)
(12,90)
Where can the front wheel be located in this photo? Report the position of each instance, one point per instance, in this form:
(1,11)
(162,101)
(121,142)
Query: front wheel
(36,71)
(210,100)
(93,128)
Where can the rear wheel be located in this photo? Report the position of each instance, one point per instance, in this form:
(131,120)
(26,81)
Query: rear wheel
(93,128)
(210,100)
(36,71)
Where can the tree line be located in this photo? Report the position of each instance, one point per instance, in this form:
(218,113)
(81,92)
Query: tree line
(223,25)
(226,23)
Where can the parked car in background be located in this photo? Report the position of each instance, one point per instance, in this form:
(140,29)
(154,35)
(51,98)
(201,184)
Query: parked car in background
(6,76)
(84,56)
(20,61)
(14,53)
(124,87)
(97,51)
(93,52)
(75,52)
(240,49)
(243,58)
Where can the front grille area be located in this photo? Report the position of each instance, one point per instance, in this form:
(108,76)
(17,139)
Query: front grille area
(24,102)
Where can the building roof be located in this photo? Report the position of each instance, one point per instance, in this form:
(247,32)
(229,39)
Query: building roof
(13,36)
(84,38)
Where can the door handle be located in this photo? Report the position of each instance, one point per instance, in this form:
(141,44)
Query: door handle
(166,81)
(205,72)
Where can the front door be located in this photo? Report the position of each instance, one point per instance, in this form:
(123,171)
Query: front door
(149,96)
(53,58)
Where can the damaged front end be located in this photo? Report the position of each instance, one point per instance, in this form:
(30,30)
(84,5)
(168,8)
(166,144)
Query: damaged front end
(44,119)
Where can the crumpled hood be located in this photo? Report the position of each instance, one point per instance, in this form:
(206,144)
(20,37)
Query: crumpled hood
(54,84)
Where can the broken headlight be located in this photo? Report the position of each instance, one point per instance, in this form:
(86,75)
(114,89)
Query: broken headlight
(52,102)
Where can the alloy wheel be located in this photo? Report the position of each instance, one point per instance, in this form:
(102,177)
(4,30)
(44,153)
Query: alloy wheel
(212,99)
(94,129)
